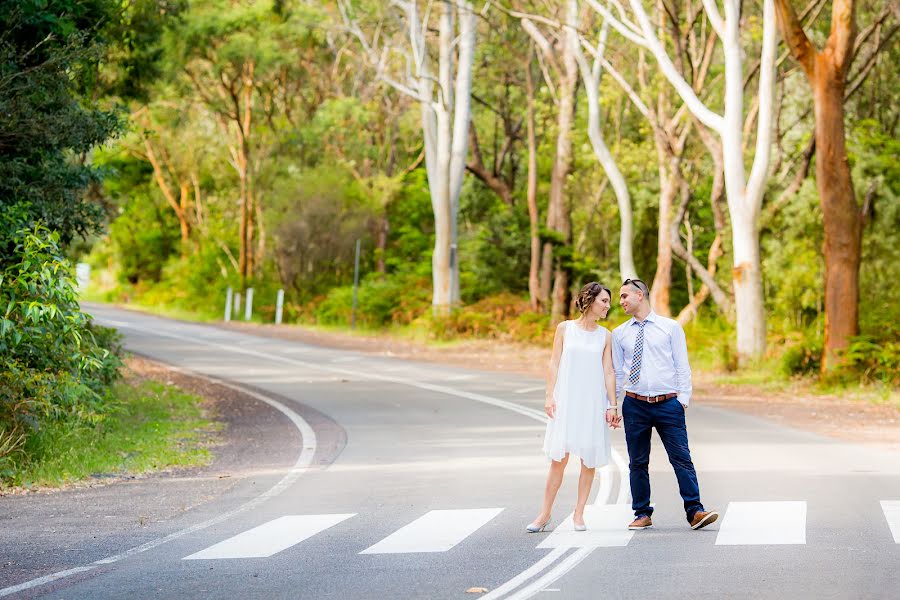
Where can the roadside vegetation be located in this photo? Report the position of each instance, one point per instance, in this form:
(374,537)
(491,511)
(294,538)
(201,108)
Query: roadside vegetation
(315,149)
(65,411)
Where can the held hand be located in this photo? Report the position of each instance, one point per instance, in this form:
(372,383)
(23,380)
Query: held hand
(612,417)
(550,407)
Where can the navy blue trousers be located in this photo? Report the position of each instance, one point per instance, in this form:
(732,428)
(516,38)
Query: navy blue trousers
(668,419)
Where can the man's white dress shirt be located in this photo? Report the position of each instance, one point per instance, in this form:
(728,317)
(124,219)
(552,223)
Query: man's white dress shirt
(664,362)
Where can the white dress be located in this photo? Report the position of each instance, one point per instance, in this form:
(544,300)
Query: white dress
(579,426)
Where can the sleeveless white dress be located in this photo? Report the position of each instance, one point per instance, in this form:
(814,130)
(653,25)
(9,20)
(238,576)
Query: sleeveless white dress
(579,426)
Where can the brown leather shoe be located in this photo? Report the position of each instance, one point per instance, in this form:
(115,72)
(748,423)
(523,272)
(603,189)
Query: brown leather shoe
(702,518)
(641,523)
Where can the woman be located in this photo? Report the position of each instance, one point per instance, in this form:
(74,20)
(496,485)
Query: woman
(581,401)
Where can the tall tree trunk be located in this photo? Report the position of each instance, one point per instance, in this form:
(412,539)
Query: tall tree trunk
(744,194)
(827,71)
(534,292)
(669,185)
(562,166)
(840,214)
(591,78)
(445,120)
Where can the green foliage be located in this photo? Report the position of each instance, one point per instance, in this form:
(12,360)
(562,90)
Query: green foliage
(877,358)
(148,426)
(803,357)
(504,316)
(382,302)
(55,364)
(48,50)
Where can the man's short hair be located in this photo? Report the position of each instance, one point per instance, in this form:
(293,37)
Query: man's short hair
(640,285)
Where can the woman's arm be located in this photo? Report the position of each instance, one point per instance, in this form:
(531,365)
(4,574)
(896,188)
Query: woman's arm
(612,413)
(553,370)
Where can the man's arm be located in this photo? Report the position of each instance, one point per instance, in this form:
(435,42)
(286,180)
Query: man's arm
(682,366)
(618,356)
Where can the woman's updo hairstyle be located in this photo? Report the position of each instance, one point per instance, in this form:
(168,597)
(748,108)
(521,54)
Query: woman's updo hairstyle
(588,294)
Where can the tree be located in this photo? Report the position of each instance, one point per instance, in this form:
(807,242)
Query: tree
(842,218)
(590,75)
(445,103)
(744,194)
(48,54)
(561,75)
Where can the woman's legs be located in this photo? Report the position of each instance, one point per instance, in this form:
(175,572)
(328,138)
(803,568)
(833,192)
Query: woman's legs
(585,480)
(554,480)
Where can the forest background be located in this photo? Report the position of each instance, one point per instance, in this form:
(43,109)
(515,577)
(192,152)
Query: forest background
(490,157)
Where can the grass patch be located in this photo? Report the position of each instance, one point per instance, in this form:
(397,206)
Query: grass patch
(151,427)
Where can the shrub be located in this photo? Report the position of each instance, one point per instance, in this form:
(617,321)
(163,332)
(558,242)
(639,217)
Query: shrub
(55,364)
(802,358)
(876,360)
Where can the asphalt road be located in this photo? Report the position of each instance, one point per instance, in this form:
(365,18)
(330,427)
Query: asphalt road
(381,478)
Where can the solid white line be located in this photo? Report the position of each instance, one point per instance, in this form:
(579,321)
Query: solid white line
(552,575)
(522,410)
(525,575)
(458,378)
(270,538)
(300,466)
(528,412)
(45,579)
(763,523)
(891,510)
(530,389)
(435,531)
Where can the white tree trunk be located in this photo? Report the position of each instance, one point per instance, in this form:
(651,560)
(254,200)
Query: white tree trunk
(744,198)
(446,110)
(591,78)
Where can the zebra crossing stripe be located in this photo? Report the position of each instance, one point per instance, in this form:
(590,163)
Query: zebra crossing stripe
(435,531)
(606,527)
(270,538)
(891,509)
(763,523)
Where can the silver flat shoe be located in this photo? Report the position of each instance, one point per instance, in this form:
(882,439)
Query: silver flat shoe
(532,528)
(579,527)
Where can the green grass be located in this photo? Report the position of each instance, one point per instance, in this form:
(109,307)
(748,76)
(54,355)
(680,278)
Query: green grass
(153,427)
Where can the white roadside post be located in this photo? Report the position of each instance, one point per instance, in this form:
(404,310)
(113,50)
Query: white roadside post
(237,305)
(355,287)
(248,304)
(228,295)
(279,305)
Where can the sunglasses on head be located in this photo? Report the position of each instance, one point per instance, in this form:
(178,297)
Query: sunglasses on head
(638,284)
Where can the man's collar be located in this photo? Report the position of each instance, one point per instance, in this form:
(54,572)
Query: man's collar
(650,318)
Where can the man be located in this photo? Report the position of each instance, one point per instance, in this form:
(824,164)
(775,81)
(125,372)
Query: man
(652,373)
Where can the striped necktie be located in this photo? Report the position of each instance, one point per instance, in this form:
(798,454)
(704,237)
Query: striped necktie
(635,374)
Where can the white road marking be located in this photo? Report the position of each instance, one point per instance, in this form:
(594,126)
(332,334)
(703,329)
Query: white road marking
(891,510)
(527,390)
(304,460)
(435,531)
(566,565)
(270,538)
(532,413)
(605,528)
(763,523)
(344,359)
(458,378)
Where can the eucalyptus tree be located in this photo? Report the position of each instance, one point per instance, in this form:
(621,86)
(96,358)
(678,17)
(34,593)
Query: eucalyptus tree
(827,72)
(590,75)
(242,63)
(744,193)
(401,42)
(556,48)
(671,126)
